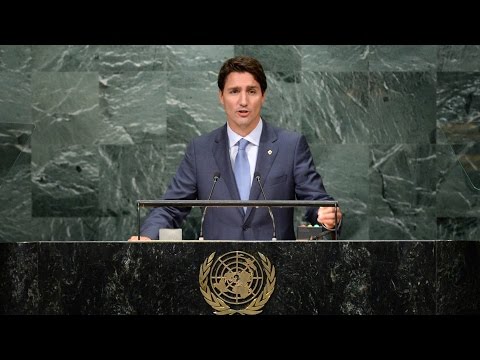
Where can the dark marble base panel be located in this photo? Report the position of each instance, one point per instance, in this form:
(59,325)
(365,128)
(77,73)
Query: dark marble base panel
(311,277)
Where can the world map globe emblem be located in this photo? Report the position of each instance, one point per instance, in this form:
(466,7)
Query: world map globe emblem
(236,277)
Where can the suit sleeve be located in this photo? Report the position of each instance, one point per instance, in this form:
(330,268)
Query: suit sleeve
(308,182)
(183,186)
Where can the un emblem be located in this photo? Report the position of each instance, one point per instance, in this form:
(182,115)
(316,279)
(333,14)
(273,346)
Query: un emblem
(237,283)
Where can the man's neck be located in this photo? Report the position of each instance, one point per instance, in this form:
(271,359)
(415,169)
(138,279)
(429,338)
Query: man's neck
(244,131)
(252,136)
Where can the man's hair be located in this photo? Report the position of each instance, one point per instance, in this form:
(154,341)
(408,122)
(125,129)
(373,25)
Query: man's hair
(242,64)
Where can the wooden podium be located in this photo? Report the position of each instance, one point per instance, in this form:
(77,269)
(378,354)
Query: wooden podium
(302,277)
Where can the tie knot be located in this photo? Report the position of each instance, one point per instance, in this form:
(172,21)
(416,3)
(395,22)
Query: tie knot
(242,144)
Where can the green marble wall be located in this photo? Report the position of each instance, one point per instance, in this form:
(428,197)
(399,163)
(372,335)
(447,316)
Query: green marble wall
(87,130)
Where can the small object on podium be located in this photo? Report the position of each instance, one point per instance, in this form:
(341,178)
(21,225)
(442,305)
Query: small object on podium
(309,232)
(170,234)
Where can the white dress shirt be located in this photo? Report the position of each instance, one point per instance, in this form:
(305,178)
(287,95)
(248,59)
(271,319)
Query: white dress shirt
(251,149)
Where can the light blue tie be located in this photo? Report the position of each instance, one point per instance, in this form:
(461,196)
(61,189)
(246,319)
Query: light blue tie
(242,171)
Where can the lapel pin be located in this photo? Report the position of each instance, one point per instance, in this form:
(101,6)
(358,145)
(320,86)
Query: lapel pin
(269,152)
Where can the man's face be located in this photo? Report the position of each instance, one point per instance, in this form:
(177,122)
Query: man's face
(242,100)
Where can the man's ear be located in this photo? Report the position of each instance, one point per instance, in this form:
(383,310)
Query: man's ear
(220,96)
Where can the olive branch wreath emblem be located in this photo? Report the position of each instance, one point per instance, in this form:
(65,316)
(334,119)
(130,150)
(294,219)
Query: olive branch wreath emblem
(221,307)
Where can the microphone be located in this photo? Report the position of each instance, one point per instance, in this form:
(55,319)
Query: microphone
(216,176)
(257,177)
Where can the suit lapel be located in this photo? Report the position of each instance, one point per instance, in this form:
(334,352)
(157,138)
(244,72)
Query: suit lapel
(267,152)
(221,153)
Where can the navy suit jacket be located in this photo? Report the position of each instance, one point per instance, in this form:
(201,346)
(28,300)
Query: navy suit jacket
(287,173)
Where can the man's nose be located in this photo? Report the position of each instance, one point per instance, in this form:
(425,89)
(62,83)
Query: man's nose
(243,98)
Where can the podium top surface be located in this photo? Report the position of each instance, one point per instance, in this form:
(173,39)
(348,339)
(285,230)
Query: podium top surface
(236,203)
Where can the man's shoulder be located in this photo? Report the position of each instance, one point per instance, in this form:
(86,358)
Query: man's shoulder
(210,136)
(285,134)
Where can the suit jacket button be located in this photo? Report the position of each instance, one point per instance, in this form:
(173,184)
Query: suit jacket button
(245,228)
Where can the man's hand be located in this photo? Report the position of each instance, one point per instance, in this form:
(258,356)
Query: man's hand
(142,238)
(326,217)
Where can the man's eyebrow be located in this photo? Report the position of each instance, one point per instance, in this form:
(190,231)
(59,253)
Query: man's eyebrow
(249,87)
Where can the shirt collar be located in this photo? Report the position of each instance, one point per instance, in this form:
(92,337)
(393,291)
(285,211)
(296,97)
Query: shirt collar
(253,137)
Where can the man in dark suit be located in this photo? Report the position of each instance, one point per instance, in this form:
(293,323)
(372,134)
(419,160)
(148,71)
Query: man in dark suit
(281,158)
